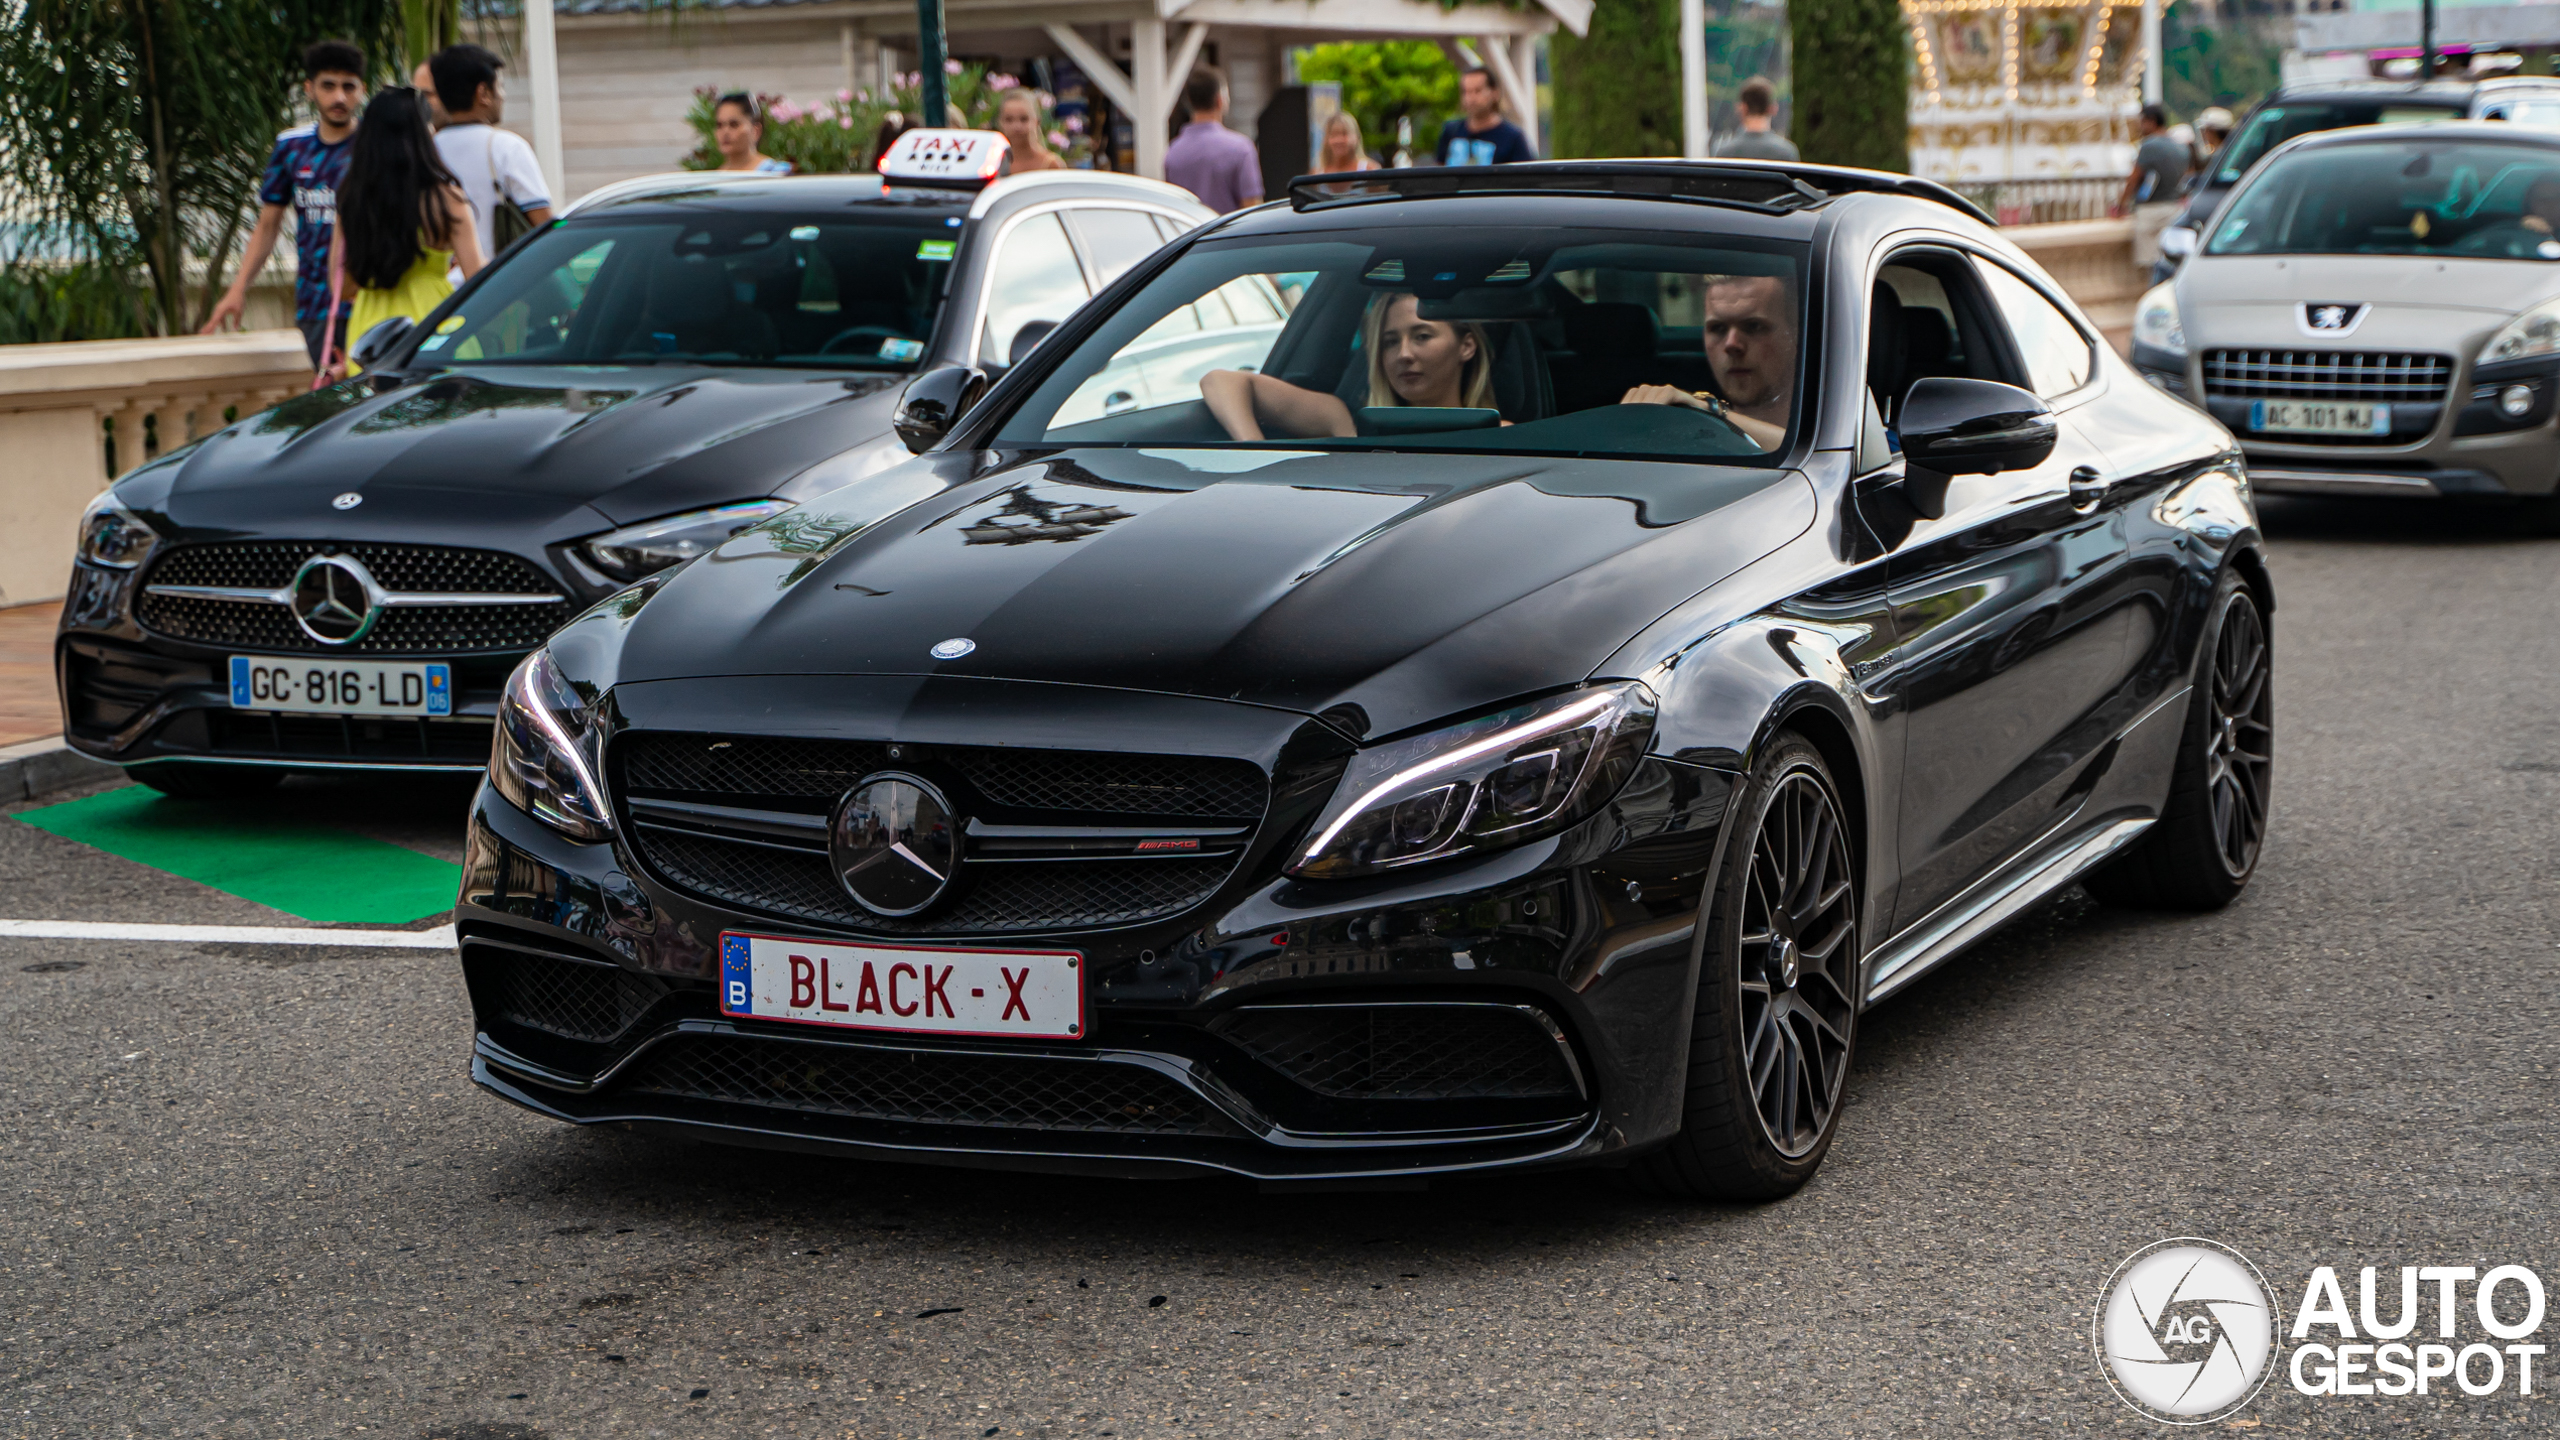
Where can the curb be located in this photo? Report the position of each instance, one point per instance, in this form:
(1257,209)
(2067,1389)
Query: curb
(37,768)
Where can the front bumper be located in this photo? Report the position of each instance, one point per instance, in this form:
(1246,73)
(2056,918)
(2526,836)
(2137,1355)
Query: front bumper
(592,984)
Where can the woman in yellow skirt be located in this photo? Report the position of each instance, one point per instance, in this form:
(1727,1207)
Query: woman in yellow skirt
(403,223)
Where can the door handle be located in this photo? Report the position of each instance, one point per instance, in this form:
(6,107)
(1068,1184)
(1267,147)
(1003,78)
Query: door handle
(2088,490)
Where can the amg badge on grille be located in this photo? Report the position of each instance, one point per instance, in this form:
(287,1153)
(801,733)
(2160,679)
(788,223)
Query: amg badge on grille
(895,844)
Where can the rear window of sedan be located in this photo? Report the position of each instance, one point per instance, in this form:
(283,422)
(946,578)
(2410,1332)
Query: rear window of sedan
(1531,340)
(2413,196)
(835,291)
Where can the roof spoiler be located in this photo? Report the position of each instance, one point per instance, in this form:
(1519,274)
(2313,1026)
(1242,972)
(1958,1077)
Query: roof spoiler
(1763,185)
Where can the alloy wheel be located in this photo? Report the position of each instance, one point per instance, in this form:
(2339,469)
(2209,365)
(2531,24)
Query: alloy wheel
(2239,752)
(1798,959)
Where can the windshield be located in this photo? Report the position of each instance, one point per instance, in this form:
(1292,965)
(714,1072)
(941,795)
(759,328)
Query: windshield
(839,291)
(2415,197)
(2275,124)
(1588,342)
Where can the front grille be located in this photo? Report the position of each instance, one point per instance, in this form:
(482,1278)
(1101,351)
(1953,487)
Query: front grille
(351,737)
(1172,787)
(581,1001)
(1005,898)
(405,630)
(1407,1052)
(1019,1092)
(2350,375)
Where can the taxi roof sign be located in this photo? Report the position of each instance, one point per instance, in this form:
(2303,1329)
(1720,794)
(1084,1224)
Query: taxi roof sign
(946,157)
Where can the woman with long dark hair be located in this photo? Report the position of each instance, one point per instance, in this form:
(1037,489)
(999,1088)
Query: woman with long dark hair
(402,221)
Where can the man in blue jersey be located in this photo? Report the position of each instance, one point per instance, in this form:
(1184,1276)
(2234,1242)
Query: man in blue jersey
(303,175)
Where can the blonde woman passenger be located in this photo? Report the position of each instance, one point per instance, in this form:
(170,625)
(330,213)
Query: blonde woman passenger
(1412,361)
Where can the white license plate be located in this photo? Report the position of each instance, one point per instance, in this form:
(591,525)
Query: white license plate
(1035,994)
(341,687)
(2319,417)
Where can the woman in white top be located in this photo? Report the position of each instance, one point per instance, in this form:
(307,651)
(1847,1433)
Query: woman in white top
(1343,151)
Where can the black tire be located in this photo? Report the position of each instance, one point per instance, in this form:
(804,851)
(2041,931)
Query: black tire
(2210,834)
(206,782)
(1779,989)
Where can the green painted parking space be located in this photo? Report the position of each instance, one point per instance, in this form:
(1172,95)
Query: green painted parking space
(272,856)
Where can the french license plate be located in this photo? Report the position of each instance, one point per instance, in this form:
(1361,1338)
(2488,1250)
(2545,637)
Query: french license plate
(2319,417)
(1035,994)
(341,687)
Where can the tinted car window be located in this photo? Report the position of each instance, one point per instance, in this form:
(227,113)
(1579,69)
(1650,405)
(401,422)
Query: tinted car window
(2056,353)
(1114,240)
(727,287)
(2275,124)
(1035,278)
(1472,340)
(2484,199)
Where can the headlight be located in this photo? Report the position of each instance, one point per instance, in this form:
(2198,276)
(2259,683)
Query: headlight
(544,757)
(654,545)
(1486,783)
(2178,241)
(2535,332)
(2155,320)
(112,535)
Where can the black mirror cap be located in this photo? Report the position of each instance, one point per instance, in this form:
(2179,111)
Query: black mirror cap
(1974,427)
(934,402)
(1027,339)
(378,341)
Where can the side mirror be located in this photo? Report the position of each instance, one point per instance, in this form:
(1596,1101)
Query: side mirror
(376,344)
(1954,427)
(1027,339)
(934,402)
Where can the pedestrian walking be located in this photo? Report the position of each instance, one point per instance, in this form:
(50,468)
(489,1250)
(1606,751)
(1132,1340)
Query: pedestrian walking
(1758,102)
(1480,136)
(1018,116)
(2151,191)
(403,220)
(1343,153)
(737,129)
(303,174)
(494,167)
(1208,159)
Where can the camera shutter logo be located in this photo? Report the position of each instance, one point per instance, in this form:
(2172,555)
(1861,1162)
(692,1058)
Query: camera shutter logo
(2186,1331)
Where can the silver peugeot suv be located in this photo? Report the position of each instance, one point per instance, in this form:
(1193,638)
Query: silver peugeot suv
(2377,312)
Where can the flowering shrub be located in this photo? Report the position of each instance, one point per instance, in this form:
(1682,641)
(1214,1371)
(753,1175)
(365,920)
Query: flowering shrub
(833,137)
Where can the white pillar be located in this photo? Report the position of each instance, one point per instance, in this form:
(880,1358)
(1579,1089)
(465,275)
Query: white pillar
(1693,79)
(1524,59)
(1154,96)
(542,69)
(2151,66)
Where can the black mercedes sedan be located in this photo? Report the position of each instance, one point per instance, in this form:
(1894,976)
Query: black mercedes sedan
(346,580)
(1463,669)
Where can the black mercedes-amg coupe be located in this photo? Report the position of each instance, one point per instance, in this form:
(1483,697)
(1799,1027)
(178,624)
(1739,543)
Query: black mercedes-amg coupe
(1461,669)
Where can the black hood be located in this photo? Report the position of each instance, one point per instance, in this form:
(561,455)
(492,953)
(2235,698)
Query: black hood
(506,448)
(1414,586)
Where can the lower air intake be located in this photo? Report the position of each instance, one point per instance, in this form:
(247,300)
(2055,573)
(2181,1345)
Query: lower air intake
(1408,1052)
(575,999)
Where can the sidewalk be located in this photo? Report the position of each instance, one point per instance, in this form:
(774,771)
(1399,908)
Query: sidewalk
(29,709)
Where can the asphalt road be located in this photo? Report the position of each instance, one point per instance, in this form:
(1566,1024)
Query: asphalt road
(249,1192)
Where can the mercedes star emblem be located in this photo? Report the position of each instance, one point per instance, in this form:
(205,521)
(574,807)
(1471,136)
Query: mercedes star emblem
(335,600)
(348,501)
(954,649)
(895,844)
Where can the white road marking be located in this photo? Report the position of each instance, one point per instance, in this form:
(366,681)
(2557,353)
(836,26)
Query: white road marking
(440,938)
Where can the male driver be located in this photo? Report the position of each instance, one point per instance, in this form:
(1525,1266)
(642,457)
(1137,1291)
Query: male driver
(491,164)
(1758,102)
(303,173)
(1480,136)
(1208,159)
(2160,166)
(1751,345)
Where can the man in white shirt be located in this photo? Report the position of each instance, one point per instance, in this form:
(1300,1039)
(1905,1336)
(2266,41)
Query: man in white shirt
(491,164)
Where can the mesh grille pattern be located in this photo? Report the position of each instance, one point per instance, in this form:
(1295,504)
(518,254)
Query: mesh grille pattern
(1171,786)
(1407,1052)
(388,737)
(1005,898)
(924,1087)
(269,565)
(2357,375)
(564,997)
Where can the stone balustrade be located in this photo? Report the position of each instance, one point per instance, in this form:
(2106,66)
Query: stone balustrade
(74,416)
(2093,261)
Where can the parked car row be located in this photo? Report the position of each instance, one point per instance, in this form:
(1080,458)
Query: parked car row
(1457,669)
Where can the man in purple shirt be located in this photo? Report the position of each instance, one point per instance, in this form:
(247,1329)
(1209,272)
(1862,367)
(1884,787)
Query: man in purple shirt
(1208,159)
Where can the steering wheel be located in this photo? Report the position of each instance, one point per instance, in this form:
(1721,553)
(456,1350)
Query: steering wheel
(865,338)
